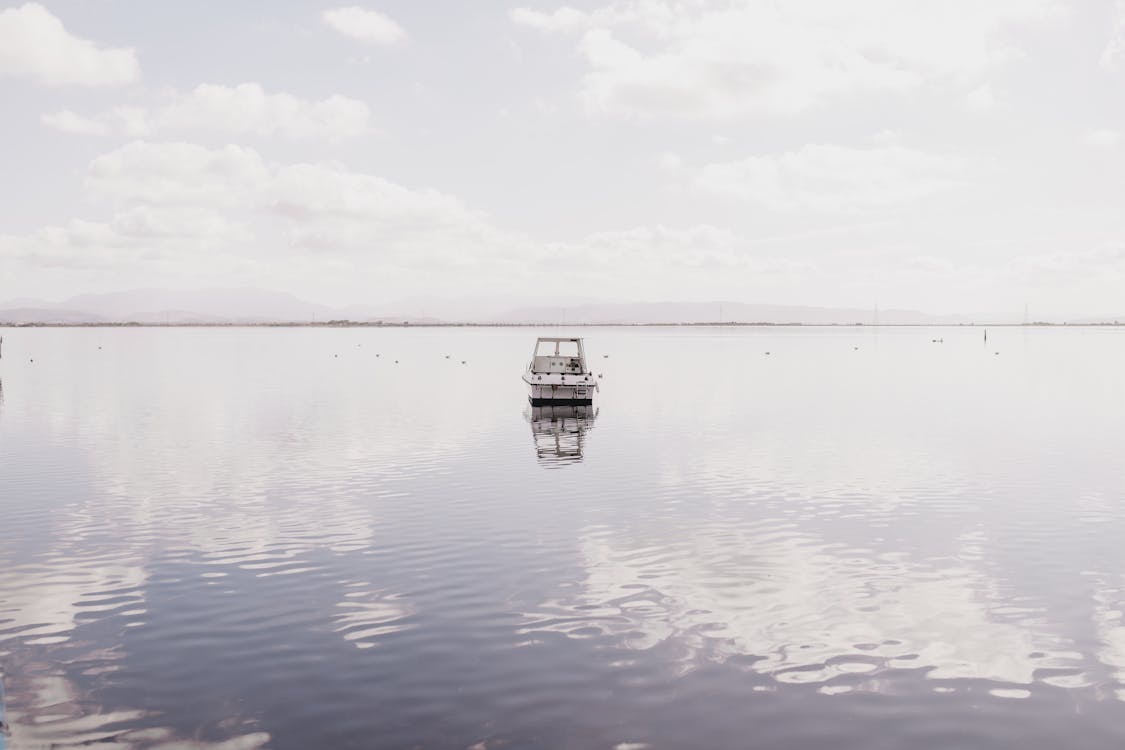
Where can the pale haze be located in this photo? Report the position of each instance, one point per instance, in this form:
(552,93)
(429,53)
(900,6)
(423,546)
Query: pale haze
(962,157)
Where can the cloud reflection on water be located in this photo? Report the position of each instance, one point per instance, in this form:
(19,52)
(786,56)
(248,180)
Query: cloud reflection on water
(805,610)
(243,532)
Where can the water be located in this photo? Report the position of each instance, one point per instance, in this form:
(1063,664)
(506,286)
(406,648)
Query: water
(281,538)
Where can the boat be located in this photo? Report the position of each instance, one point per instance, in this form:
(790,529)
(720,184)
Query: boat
(557,374)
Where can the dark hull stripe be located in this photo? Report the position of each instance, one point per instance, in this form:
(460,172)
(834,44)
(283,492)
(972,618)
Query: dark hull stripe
(560,401)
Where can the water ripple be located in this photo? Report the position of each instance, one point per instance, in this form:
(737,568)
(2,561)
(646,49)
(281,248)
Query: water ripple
(210,541)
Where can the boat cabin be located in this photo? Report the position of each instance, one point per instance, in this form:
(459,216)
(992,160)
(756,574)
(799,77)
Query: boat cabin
(559,355)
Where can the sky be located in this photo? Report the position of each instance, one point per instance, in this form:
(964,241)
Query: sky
(957,156)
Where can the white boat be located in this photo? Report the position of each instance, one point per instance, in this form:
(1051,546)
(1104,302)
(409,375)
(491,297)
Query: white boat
(557,374)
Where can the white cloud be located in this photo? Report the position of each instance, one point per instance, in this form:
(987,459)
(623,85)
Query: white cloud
(35,44)
(944,624)
(367,26)
(1103,263)
(69,122)
(245,109)
(133,121)
(324,205)
(170,203)
(694,246)
(567,19)
(145,223)
(330,208)
(187,207)
(562,19)
(175,235)
(886,137)
(830,178)
(1114,53)
(178,173)
(711,59)
(653,253)
(1102,138)
(179,196)
(980,99)
(669,161)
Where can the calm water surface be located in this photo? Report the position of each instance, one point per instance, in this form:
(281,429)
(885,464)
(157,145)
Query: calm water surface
(240,539)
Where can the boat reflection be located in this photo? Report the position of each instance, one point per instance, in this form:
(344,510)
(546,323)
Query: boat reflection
(559,432)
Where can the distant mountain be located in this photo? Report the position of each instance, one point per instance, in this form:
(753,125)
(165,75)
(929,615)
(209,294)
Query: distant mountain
(180,306)
(260,306)
(22,315)
(726,312)
(474,309)
(210,305)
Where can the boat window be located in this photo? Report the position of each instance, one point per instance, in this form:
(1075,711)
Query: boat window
(565,349)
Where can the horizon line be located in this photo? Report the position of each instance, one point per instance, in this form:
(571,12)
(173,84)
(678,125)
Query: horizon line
(407,324)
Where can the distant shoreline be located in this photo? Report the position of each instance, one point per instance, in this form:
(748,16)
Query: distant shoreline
(380,324)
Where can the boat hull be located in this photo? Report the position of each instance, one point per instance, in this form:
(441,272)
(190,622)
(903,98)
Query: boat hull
(560,395)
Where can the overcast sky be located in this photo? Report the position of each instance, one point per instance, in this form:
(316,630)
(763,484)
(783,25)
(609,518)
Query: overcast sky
(953,156)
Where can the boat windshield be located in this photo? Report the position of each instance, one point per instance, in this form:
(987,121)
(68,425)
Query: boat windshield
(558,356)
(557,348)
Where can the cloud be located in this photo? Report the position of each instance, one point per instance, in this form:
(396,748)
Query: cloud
(178,173)
(185,209)
(367,26)
(330,208)
(1114,53)
(831,178)
(245,109)
(35,44)
(1102,138)
(325,207)
(980,99)
(712,59)
(171,202)
(700,245)
(324,204)
(567,19)
(68,122)
(1105,263)
(669,161)
(943,623)
(677,258)
(172,235)
(562,19)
